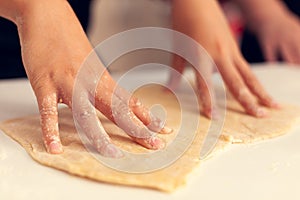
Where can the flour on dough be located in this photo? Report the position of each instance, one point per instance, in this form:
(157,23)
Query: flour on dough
(238,128)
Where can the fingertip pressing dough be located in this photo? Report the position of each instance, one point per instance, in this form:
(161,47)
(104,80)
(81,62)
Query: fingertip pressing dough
(238,128)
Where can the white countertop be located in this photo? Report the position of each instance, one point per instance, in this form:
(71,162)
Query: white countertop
(267,170)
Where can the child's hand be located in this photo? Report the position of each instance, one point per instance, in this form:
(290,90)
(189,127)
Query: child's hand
(279,37)
(203,21)
(54,46)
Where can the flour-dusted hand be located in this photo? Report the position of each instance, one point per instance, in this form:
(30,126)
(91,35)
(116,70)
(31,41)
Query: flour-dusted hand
(54,46)
(203,21)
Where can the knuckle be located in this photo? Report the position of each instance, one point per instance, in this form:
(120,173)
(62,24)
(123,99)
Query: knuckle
(85,114)
(47,112)
(244,96)
(51,137)
(48,106)
(135,103)
(49,126)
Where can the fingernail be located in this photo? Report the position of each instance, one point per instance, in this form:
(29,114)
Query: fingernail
(260,112)
(166,130)
(167,89)
(157,143)
(274,104)
(112,151)
(215,114)
(55,148)
(207,113)
(156,123)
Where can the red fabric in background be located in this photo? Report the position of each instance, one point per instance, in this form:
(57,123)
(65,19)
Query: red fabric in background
(234,17)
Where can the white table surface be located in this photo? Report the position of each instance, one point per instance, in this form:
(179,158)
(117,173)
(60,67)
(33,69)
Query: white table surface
(267,170)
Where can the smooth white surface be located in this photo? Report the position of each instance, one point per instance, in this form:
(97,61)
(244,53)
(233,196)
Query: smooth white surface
(267,170)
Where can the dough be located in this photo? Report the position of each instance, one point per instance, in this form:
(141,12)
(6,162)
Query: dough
(238,128)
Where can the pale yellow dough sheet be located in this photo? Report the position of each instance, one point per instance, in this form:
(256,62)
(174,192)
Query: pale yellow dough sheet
(238,128)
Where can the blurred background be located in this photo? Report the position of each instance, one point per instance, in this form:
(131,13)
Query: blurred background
(109,17)
(104,18)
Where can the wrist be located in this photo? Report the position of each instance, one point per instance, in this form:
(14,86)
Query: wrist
(17,10)
(11,9)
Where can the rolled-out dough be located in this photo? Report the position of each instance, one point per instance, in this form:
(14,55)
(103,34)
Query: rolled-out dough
(238,128)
